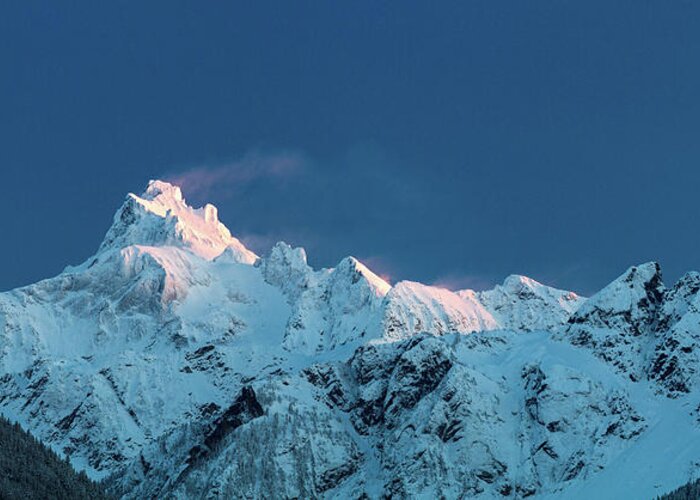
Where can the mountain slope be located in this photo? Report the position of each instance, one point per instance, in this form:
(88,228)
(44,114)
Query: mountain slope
(177,362)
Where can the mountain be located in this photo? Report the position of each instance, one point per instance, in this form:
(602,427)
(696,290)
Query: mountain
(176,362)
(522,303)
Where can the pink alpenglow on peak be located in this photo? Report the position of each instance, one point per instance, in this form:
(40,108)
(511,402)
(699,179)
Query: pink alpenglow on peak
(378,285)
(162,190)
(161,217)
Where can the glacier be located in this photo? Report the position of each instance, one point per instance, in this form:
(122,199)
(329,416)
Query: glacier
(177,363)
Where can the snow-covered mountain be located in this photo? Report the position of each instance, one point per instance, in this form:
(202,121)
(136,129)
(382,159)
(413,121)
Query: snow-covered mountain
(176,362)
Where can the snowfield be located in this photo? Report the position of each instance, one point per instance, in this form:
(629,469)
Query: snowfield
(177,363)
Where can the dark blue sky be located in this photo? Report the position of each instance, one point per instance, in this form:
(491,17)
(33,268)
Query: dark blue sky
(449,142)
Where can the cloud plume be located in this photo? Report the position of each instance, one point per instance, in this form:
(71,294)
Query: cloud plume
(456,282)
(203,180)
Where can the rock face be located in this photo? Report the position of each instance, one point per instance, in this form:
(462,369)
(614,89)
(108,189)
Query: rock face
(643,329)
(674,362)
(619,322)
(177,363)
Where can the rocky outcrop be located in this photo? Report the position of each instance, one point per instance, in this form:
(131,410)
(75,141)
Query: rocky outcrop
(176,362)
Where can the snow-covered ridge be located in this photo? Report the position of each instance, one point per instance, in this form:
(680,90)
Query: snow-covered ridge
(522,303)
(160,216)
(176,361)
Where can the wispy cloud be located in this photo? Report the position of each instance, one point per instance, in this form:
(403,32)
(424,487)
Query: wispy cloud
(259,243)
(204,180)
(456,282)
(380,266)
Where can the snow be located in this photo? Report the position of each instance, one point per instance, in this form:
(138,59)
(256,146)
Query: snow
(618,322)
(127,362)
(522,303)
(413,308)
(160,216)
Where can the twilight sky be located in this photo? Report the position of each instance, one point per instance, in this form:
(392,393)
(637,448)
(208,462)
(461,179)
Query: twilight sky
(450,142)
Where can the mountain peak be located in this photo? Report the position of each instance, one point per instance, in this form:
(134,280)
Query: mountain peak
(352,265)
(522,303)
(639,287)
(157,188)
(517,281)
(162,217)
(649,272)
(619,322)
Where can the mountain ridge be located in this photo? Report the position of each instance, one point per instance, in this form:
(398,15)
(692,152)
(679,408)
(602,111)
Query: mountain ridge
(333,382)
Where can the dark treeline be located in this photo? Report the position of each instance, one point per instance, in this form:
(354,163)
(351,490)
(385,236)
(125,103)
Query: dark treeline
(690,491)
(30,470)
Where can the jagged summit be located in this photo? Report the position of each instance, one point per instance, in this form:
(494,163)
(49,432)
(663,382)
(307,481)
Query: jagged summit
(168,366)
(638,290)
(352,265)
(162,190)
(619,322)
(161,217)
